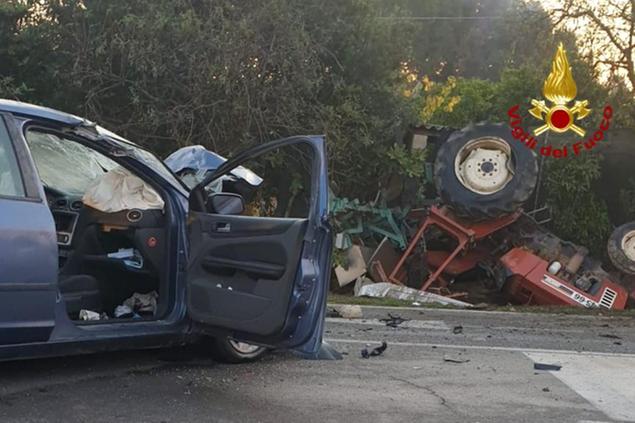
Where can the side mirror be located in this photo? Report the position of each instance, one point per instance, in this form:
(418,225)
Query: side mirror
(226,203)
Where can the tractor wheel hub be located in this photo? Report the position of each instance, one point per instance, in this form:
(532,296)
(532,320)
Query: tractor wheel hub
(484,165)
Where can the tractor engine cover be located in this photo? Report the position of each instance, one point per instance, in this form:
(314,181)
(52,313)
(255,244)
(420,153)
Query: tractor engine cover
(530,283)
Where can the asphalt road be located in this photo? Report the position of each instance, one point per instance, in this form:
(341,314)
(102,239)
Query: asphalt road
(450,366)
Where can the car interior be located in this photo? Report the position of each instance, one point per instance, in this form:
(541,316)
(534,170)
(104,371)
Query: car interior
(111,260)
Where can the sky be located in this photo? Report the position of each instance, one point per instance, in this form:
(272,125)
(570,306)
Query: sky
(590,39)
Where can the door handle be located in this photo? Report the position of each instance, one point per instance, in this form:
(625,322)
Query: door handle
(222,227)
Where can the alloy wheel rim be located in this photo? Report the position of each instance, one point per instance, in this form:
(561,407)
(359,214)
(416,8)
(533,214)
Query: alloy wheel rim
(244,347)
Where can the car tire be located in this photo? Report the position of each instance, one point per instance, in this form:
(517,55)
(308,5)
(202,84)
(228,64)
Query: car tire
(621,248)
(228,350)
(482,172)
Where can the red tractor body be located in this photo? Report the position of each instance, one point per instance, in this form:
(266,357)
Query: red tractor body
(531,283)
(529,264)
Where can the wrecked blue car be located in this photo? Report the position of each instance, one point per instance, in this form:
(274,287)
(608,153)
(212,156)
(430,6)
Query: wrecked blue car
(103,247)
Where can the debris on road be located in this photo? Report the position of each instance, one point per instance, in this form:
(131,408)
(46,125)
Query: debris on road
(389,290)
(548,367)
(346,311)
(455,359)
(457,329)
(375,351)
(610,336)
(393,320)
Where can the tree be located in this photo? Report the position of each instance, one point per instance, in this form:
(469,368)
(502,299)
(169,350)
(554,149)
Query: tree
(609,34)
(225,74)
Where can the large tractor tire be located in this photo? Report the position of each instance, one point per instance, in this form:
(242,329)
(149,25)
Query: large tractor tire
(482,172)
(621,248)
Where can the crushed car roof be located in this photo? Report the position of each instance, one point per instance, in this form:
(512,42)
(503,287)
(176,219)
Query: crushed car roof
(31,110)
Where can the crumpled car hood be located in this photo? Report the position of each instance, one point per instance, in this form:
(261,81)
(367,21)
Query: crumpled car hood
(198,159)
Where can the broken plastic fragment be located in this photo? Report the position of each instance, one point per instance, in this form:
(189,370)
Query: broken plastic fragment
(543,366)
(375,351)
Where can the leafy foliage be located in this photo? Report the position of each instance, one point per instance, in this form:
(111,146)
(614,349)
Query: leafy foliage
(229,74)
(224,74)
(578,214)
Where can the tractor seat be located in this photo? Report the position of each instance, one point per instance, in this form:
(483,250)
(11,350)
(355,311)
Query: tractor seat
(80,292)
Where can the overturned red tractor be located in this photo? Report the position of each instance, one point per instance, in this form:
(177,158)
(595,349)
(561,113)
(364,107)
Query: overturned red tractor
(483,177)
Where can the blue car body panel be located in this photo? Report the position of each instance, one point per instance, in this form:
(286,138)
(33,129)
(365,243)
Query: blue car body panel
(28,259)
(33,111)
(28,252)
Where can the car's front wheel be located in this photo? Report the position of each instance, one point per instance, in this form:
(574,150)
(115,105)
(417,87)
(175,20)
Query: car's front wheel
(229,350)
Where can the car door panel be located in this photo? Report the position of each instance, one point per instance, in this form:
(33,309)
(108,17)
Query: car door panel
(261,279)
(28,250)
(29,270)
(253,267)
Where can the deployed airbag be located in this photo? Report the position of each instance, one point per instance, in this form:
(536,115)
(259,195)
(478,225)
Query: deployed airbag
(119,190)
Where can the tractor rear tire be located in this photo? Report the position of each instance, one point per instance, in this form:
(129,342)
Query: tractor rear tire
(482,172)
(621,248)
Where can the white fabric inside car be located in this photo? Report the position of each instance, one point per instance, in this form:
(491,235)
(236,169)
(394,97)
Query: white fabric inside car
(119,190)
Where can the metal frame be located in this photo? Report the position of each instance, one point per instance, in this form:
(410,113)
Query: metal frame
(465,233)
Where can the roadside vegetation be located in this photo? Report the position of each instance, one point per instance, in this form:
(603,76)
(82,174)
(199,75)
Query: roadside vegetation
(228,74)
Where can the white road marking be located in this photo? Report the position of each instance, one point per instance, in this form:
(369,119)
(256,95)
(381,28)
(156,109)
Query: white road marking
(439,325)
(605,381)
(479,347)
(415,324)
(535,329)
(468,311)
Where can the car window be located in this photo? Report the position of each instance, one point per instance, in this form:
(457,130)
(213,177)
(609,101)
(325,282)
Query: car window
(10,178)
(66,165)
(279,182)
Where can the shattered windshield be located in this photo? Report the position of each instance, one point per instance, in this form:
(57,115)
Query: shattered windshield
(65,165)
(149,159)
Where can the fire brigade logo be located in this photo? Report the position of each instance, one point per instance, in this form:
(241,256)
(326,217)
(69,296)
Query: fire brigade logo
(560,89)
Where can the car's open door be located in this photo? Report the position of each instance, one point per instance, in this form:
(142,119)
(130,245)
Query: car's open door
(258,277)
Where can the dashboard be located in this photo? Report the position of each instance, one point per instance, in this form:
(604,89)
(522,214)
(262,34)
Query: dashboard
(65,210)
